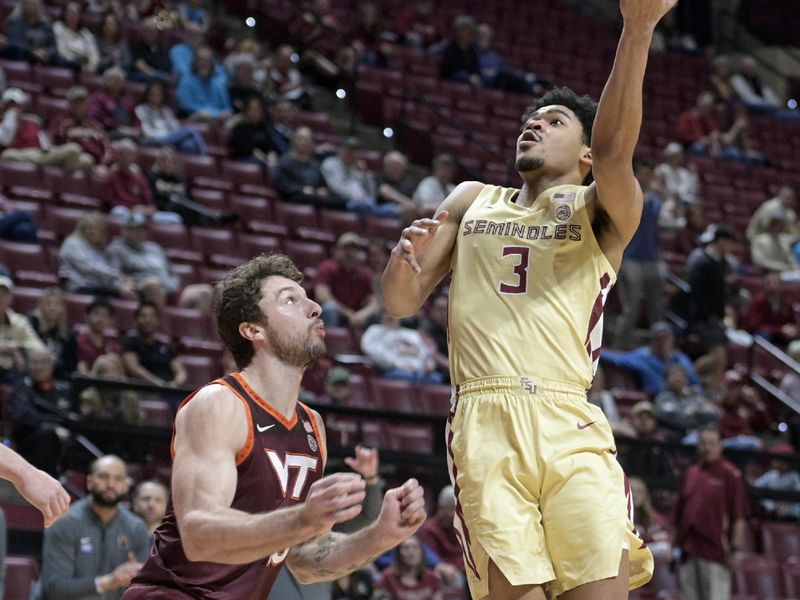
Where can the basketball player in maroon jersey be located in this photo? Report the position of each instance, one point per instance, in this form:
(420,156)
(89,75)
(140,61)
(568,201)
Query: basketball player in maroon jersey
(247,486)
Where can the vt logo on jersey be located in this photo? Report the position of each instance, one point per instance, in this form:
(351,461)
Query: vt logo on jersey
(299,462)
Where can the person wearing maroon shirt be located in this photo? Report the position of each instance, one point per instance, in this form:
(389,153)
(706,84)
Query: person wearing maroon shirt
(743,414)
(75,126)
(93,341)
(710,519)
(416,25)
(770,314)
(408,578)
(125,189)
(343,286)
(439,535)
(248,458)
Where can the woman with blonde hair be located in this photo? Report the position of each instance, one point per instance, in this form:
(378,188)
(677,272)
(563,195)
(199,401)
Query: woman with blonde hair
(653,527)
(49,320)
(30,34)
(408,577)
(99,402)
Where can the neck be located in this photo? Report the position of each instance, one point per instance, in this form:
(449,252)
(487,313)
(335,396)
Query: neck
(275,381)
(104,513)
(713,251)
(534,186)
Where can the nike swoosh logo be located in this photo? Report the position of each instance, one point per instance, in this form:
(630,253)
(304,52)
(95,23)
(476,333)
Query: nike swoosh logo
(263,429)
(589,424)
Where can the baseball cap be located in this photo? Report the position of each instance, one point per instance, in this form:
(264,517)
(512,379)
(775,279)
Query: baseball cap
(715,232)
(5,281)
(660,327)
(337,375)
(643,406)
(349,239)
(15,95)
(672,149)
(135,219)
(77,92)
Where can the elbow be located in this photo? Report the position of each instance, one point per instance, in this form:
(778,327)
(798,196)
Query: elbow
(399,309)
(195,546)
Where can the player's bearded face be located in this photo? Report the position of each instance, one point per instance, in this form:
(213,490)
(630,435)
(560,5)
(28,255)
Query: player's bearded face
(529,163)
(297,351)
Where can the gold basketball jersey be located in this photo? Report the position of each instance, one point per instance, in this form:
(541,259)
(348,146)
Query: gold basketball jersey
(528,288)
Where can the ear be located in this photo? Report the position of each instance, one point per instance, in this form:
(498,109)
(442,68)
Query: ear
(251,332)
(586,156)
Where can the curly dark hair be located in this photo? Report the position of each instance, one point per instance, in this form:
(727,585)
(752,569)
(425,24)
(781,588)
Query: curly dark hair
(583,106)
(238,296)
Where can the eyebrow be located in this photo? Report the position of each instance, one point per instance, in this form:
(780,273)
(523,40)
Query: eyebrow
(552,110)
(285,289)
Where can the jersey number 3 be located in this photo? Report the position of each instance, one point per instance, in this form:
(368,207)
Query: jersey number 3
(522,255)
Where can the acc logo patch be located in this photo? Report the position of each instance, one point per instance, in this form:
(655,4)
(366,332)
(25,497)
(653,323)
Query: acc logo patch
(563,212)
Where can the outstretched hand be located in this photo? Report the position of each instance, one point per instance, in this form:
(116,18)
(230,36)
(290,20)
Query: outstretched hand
(645,12)
(402,513)
(418,236)
(333,499)
(44,493)
(365,462)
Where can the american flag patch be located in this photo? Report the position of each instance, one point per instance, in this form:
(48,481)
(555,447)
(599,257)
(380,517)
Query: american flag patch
(308,427)
(564,197)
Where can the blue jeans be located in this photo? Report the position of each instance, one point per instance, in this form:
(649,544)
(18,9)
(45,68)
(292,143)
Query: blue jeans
(18,226)
(370,208)
(185,140)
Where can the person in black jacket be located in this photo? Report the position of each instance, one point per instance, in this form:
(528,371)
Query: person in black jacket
(251,138)
(460,56)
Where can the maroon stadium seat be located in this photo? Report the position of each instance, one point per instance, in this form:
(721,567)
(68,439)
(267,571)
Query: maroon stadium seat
(63,220)
(25,299)
(243,172)
(338,340)
(22,516)
(359,392)
(759,576)
(213,241)
(30,257)
(791,577)
(251,207)
(199,166)
(396,395)
(342,430)
(780,540)
(21,573)
(170,236)
(416,439)
(19,173)
(305,254)
(179,322)
(253,245)
(213,199)
(374,434)
(156,413)
(200,369)
(54,77)
(295,215)
(434,399)
(339,222)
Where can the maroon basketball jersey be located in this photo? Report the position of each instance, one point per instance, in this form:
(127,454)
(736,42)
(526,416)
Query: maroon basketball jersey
(279,462)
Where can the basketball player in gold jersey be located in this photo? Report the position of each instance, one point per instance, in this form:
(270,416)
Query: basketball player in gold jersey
(543,508)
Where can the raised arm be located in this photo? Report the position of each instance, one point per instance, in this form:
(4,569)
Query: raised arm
(421,258)
(618,120)
(204,482)
(37,487)
(333,555)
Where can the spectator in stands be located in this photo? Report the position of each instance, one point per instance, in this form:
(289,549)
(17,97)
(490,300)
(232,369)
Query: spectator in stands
(408,575)
(699,128)
(171,193)
(707,272)
(439,535)
(751,88)
(393,185)
(770,314)
(251,49)
(686,237)
(49,321)
(282,113)
(160,126)
(744,414)
(16,225)
(650,363)
(318,28)
(337,388)
(125,189)
(343,285)
(242,85)
(369,38)
(286,79)
(23,140)
(434,325)
(150,503)
(17,337)
(416,24)
(39,404)
(601,397)
(150,61)
(250,139)
(640,282)
(298,176)
(148,265)
(432,190)
(201,94)
(772,250)
(94,341)
(710,517)
(790,383)
(95,550)
(83,262)
(29,34)
(148,358)
(400,352)
(780,477)
(76,45)
(646,460)
(181,55)
(193,11)
(99,8)
(347,176)
(358,585)
(720,80)
(106,403)
(785,200)
(110,107)
(496,74)
(459,58)
(76,126)
(682,406)
(680,181)
(653,527)
(113,47)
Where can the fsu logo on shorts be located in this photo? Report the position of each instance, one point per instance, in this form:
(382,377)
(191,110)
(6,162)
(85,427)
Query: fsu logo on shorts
(312,443)
(563,212)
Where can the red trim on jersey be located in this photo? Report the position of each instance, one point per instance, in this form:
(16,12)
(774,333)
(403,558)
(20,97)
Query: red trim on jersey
(287,423)
(597,312)
(323,447)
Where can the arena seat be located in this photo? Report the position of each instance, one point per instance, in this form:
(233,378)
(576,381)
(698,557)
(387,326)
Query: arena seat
(434,399)
(30,257)
(253,245)
(199,166)
(416,439)
(19,173)
(22,516)
(342,430)
(178,322)
(339,221)
(170,236)
(156,413)
(243,172)
(359,392)
(780,540)
(200,369)
(395,395)
(664,579)
(53,77)
(66,182)
(213,199)
(759,576)
(373,433)
(791,577)
(250,207)
(338,340)
(21,573)
(213,241)
(295,215)
(306,255)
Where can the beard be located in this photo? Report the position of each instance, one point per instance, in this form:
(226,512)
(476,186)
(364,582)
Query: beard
(296,352)
(525,164)
(101,500)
